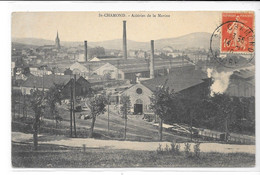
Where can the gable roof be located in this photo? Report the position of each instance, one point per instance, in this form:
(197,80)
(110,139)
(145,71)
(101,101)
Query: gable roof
(47,80)
(79,66)
(177,80)
(245,74)
(95,59)
(125,90)
(105,65)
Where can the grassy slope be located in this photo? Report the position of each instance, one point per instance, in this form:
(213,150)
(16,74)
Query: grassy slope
(137,129)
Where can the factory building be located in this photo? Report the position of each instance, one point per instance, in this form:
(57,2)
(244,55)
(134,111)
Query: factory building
(242,83)
(189,81)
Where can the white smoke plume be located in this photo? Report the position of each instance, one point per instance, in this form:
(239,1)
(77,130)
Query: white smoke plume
(220,81)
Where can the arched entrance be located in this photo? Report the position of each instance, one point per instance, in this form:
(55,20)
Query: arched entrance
(138,107)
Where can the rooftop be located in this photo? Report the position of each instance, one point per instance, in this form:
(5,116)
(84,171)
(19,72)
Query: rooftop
(133,65)
(177,80)
(47,80)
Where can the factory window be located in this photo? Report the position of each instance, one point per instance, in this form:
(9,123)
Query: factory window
(139,91)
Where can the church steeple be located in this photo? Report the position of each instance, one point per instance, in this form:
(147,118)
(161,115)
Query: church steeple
(57,41)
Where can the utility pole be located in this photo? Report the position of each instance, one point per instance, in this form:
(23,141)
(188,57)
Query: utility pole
(191,118)
(19,106)
(23,105)
(117,72)
(74,102)
(89,73)
(43,79)
(125,114)
(71,95)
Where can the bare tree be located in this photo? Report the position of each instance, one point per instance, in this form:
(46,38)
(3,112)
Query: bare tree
(37,102)
(125,108)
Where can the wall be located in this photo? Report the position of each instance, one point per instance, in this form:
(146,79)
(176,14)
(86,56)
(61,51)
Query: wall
(144,96)
(82,88)
(27,90)
(240,88)
(108,68)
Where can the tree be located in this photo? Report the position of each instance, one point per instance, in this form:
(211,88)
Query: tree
(226,107)
(96,51)
(53,97)
(97,106)
(38,103)
(125,108)
(25,105)
(162,105)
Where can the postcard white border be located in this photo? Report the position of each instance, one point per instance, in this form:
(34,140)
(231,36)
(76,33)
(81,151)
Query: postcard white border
(6,8)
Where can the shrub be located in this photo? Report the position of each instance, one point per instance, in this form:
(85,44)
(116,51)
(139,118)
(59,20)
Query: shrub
(196,148)
(159,149)
(187,150)
(175,148)
(167,149)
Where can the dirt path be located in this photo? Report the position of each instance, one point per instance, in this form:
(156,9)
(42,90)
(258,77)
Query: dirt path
(133,145)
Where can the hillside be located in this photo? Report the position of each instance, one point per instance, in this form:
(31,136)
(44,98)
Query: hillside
(193,40)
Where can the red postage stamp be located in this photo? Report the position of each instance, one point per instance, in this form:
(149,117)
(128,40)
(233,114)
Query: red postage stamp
(237,35)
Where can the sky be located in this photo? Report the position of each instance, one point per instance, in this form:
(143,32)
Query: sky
(79,26)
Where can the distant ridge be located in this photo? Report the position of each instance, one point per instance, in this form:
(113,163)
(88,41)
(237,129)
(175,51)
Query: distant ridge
(192,40)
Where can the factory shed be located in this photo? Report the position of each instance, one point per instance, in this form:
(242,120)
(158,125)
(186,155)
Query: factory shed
(242,83)
(190,82)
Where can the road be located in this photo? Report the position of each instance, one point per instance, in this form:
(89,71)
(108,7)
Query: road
(133,145)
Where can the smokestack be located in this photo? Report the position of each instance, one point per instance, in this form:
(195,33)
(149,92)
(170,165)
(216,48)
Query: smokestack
(86,50)
(124,40)
(152,60)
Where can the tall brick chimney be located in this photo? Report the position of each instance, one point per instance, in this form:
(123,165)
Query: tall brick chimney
(86,50)
(124,41)
(152,60)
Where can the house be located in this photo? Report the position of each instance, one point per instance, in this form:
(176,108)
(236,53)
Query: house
(79,69)
(111,71)
(83,87)
(190,82)
(58,71)
(81,57)
(132,53)
(139,97)
(48,81)
(68,72)
(94,59)
(36,71)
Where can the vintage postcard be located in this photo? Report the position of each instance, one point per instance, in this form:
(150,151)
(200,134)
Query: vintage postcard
(129,89)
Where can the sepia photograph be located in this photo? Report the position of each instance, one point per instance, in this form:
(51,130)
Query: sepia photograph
(133,89)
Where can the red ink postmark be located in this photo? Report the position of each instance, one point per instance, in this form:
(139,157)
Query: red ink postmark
(237,34)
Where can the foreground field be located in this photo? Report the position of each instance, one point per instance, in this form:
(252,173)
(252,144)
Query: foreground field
(53,156)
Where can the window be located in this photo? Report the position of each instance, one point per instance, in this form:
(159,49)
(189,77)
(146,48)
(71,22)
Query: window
(139,91)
